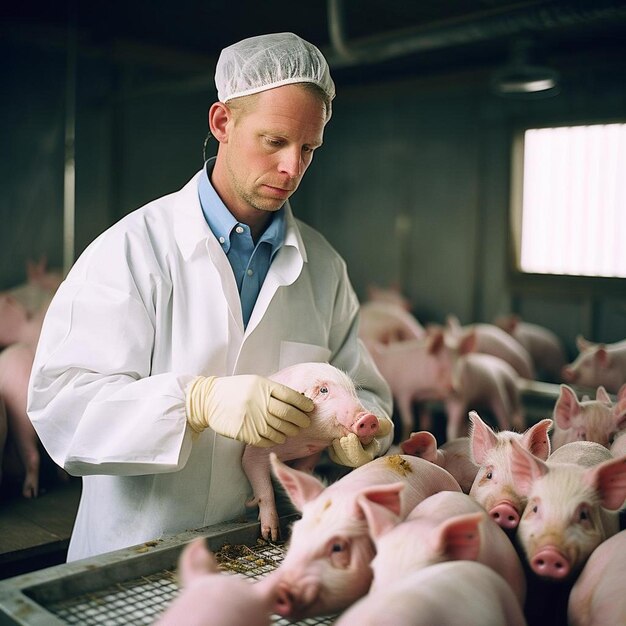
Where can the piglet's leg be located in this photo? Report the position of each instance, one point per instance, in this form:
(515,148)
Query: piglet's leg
(256,465)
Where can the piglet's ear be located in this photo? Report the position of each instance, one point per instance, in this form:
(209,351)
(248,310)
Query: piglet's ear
(621,394)
(602,357)
(609,479)
(603,396)
(195,560)
(536,439)
(525,468)
(381,511)
(300,486)
(459,537)
(619,413)
(566,408)
(482,438)
(422,444)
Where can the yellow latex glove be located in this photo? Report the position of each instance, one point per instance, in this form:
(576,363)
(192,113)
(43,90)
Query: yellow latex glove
(351,452)
(249,408)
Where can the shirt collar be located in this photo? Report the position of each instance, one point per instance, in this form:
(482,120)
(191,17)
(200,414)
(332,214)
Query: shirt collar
(221,221)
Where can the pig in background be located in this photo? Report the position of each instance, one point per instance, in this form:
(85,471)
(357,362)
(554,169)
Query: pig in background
(596,420)
(597,364)
(22,311)
(211,597)
(392,294)
(387,322)
(337,413)
(327,564)
(544,346)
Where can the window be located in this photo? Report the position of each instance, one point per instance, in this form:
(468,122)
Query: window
(569,194)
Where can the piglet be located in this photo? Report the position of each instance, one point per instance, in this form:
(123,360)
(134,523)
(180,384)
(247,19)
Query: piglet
(489,339)
(494,487)
(454,456)
(596,420)
(598,364)
(456,592)
(445,526)
(571,509)
(598,597)
(483,381)
(387,322)
(212,598)
(337,413)
(544,346)
(327,564)
(392,294)
(415,370)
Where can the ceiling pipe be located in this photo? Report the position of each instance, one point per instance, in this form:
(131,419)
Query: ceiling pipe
(520,19)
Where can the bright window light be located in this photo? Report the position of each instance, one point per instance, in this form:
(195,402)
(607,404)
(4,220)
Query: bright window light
(573,218)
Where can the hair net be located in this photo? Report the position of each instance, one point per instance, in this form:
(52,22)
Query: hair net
(267,61)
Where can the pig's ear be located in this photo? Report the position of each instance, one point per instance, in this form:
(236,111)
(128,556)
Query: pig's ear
(621,394)
(453,323)
(582,344)
(609,480)
(459,537)
(536,439)
(468,342)
(387,496)
(619,412)
(422,444)
(566,407)
(434,342)
(195,560)
(380,517)
(602,357)
(603,396)
(300,486)
(525,468)
(482,438)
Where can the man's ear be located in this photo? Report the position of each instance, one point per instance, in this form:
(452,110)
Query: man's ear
(219,116)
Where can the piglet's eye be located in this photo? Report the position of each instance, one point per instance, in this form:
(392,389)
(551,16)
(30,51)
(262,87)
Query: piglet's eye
(337,547)
(324,389)
(535,508)
(489,475)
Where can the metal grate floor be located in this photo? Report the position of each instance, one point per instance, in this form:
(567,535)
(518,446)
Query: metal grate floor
(142,600)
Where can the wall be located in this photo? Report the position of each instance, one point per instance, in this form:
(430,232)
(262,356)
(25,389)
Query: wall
(411,185)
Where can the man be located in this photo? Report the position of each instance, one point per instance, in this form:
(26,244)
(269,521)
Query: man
(150,374)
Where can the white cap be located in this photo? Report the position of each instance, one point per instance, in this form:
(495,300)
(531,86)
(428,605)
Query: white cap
(267,61)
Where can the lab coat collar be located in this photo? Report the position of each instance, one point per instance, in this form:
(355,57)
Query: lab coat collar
(191,229)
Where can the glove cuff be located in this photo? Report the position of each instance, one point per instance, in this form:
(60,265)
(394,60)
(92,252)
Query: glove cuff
(196,402)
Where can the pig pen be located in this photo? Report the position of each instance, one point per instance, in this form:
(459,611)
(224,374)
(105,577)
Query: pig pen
(135,585)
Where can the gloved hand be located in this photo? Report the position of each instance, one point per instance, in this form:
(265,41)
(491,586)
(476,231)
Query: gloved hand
(351,452)
(249,408)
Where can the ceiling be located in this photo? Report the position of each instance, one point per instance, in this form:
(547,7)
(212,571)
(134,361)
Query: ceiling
(372,38)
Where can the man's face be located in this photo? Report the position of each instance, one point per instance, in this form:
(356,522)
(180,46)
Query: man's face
(270,145)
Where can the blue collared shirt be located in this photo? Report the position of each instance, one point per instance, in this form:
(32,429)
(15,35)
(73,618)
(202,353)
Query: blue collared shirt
(250,263)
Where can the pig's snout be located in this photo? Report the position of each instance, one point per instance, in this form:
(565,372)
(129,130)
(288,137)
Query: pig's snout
(568,374)
(550,563)
(293,599)
(365,427)
(505,515)
(284,600)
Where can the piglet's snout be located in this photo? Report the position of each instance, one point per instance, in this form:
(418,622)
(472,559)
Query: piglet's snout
(365,427)
(550,563)
(505,515)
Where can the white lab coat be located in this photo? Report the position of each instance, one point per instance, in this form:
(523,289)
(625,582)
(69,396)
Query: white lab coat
(150,304)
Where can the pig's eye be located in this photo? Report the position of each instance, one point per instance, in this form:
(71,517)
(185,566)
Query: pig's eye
(324,389)
(489,475)
(535,508)
(339,553)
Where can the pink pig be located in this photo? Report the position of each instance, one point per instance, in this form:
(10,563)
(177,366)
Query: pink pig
(387,322)
(589,420)
(483,380)
(571,509)
(494,487)
(338,412)
(210,597)
(456,592)
(327,565)
(598,364)
(598,597)
(446,526)
(454,456)
(545,348)
(416,370)
(489,339)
